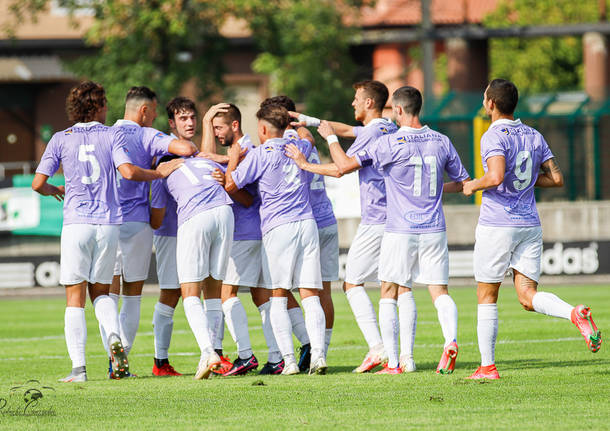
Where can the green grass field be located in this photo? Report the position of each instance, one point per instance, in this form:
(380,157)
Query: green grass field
(549,379)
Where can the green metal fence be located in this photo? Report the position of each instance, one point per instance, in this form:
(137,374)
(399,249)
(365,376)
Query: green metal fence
(576,128)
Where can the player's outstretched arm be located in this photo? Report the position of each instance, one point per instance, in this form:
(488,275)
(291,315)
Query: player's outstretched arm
(454,186)
(182,147)
(136,173)
(341,129)
(328,169)
(551,175)
(496,167)
(156,217)
(344,163)
(40,185)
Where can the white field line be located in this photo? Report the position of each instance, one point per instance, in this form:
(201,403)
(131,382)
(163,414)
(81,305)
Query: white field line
(339,348)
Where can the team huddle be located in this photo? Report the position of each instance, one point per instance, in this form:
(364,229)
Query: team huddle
(259,218)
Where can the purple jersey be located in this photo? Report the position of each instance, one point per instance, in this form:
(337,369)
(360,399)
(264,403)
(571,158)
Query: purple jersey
(143,144)
(372,187)
(248,220)
(283,187)
(160,198)
(90,154)
(413,162)
(194,189)
(513,203)
(320,204)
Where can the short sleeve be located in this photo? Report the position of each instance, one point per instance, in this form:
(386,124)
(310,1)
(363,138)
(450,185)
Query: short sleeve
(156,142)
(120,153)
(357,130)
(249,170)
(546,151)
(378,154)
(454,167)
(491,146)
(304,146)
(159,194)
(51,158)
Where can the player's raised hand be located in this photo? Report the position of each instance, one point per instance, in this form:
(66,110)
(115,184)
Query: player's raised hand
(468,188)
(325,129)
(167,168)
(299,122)
(219,176)
(215,109)
(295,154)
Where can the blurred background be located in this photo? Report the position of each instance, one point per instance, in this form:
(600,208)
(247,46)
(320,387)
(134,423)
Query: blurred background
(556,52)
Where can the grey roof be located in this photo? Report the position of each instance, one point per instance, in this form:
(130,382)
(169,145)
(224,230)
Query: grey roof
(32,69)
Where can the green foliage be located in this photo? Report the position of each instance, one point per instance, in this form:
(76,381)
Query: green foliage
(539,64)
(305,51)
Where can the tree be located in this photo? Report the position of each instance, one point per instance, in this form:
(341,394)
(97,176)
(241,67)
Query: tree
(540,64)
(305,50)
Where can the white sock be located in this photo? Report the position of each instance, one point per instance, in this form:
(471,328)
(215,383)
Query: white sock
(447,317)
(551,305)
(129,319)
(327,336)
(163,323)
(115,298)
(388,324)
(108,318)
(282,328)
(363,310)
(213,312)
(487,332)
(237,322)
(316,325)
(298,325)
(75,330)
(274,351)
(407,316)
(198,323)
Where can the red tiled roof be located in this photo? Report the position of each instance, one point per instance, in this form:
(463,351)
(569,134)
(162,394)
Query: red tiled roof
(408,12)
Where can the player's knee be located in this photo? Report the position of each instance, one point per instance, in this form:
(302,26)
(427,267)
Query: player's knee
(526,303)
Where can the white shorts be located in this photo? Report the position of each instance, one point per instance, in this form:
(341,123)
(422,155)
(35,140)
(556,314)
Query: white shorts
(363,255)
(329,252)
(88,252)
(291,256)
(135,249)
(498,248)
(418,257)
(204,245)
(245,267)
(165,255)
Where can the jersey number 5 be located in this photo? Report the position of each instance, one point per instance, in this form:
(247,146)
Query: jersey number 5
(84,156)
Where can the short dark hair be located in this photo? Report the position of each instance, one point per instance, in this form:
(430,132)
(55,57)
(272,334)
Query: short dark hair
(504,94)
(232,114)
(284,101)
(143,94)
(375,90)
(84,101)
(179,104)
(275,115)
(409,98)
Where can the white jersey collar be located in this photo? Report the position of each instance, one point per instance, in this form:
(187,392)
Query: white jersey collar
(507,122)
(244,138)
(408,129)
(89,124)
(377,120)
(123,122)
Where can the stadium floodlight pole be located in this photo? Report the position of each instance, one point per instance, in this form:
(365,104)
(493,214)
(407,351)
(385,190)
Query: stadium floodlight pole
(427,43)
